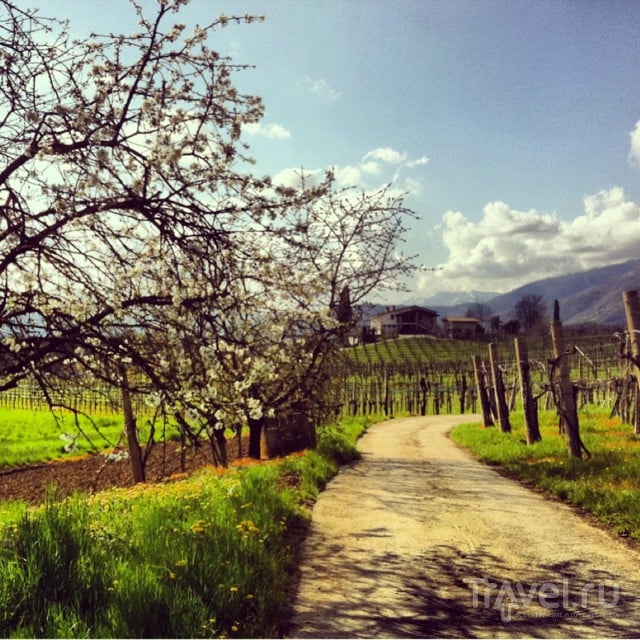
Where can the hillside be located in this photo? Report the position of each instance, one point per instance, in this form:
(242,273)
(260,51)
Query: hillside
(593,296)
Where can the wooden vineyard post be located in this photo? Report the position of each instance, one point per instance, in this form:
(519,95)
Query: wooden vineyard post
(463,392)
(565,398)
(529,404)
(632,312)
(499,391)
(423,401)
(482,392)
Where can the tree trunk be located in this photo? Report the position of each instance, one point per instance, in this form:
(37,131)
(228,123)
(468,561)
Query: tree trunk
(131,429)
(566,398)
(221,446)
(498,385)
(482,392)
(255,435)
(529,405)
(632,312)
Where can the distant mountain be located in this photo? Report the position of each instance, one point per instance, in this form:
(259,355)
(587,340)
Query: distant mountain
(452,298)
(593,296)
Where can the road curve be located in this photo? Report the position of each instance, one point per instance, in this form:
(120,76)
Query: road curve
(417,539)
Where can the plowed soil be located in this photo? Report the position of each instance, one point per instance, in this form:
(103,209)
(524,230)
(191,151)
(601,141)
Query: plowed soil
(92,473)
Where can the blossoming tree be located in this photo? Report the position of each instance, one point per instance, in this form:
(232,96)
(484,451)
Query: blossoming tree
(136,246)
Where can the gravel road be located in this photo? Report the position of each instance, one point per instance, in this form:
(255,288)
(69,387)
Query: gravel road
(419,540)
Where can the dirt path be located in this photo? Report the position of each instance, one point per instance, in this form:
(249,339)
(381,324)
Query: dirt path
(419,540)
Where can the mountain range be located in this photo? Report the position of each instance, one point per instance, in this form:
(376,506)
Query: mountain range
(593,296)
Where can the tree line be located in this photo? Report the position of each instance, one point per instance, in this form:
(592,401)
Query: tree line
(528,314)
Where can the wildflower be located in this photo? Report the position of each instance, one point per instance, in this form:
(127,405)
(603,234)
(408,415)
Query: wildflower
(247,526)
(233,589)
(198,527)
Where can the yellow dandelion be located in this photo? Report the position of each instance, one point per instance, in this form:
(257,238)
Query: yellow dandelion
(234,589)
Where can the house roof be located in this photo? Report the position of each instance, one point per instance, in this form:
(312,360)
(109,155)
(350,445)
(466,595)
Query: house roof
(469,320)
(413,307)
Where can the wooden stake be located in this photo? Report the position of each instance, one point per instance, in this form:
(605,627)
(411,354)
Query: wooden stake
(632,312)
(529,405)
(498,386)
(482,392)
(565,398)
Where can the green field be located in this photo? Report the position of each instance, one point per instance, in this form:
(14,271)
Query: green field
(30,436)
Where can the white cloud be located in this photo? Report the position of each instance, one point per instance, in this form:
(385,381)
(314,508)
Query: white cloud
(319,88)
(294,178)
(418,162)
(348,176)
(275,131)
(634,153)
(508,248)
(385,154)
(379,167)
(371,167)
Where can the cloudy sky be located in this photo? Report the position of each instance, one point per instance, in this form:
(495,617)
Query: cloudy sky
(513,125)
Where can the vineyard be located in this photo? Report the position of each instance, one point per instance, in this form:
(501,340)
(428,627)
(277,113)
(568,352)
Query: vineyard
(427,375)
(422,375)
(96,401)
(406,375)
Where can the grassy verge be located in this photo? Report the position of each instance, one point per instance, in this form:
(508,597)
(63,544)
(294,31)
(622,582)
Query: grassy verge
(607,485)
(212,555)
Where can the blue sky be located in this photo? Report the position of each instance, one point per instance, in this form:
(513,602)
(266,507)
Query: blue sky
(514,126)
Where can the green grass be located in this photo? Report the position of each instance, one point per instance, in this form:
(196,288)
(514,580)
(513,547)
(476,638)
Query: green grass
(607,485)
(30,436)
(213,555)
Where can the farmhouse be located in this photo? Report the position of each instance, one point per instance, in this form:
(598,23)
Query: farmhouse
(462,327)
(398,321)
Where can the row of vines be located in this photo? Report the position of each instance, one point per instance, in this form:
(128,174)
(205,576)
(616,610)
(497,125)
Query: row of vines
(418,375)
(424,375)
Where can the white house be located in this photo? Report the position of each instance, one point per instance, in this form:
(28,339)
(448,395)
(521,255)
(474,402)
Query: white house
(397,321)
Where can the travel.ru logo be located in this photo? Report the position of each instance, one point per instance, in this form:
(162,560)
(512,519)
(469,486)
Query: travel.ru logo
(561,599)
